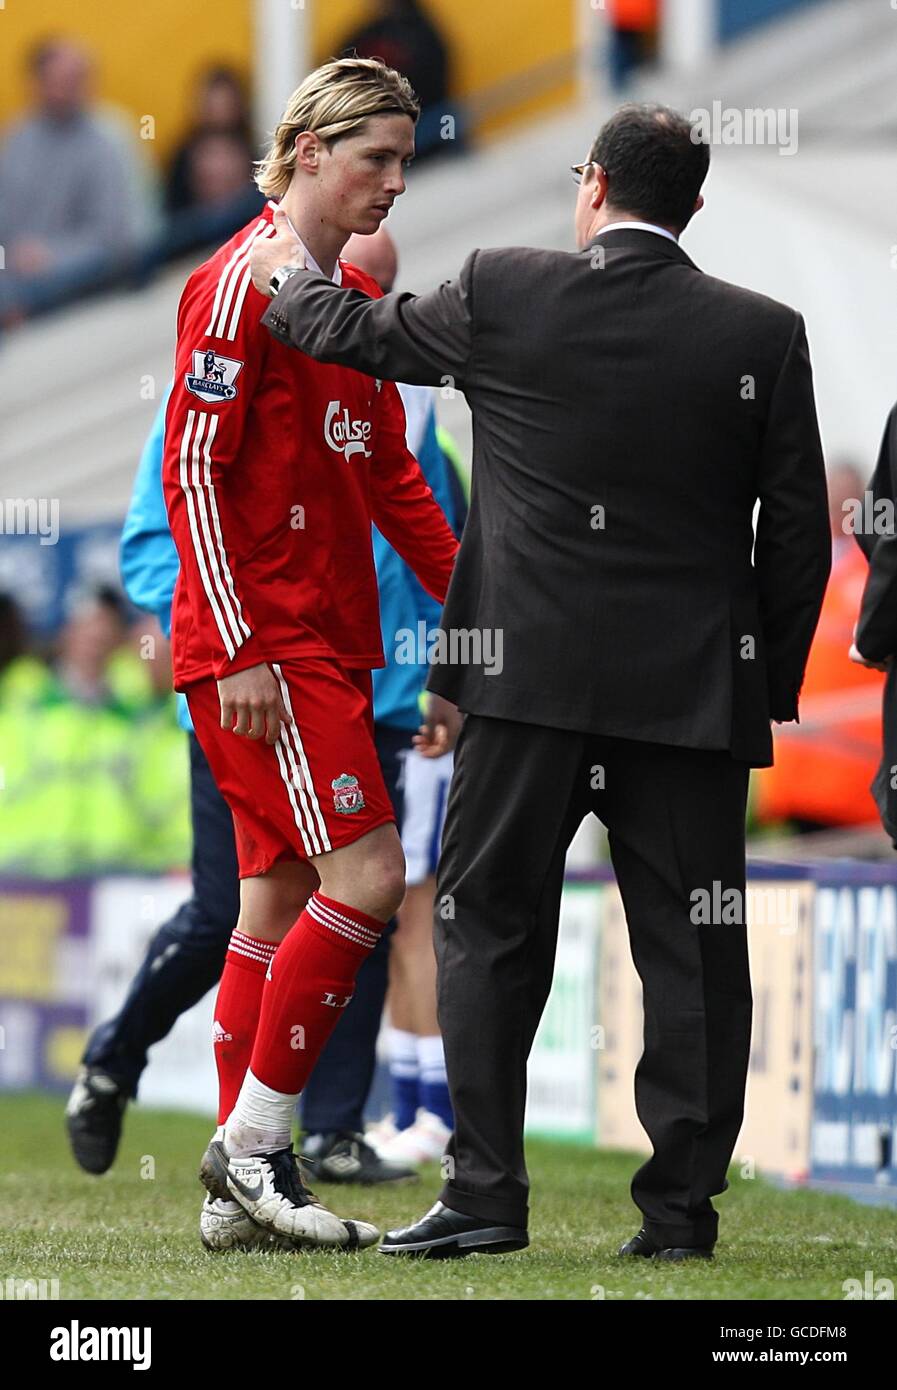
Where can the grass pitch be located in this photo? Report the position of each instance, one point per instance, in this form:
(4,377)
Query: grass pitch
(133,1234)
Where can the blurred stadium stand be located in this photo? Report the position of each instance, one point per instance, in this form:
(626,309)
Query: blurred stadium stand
(773,222)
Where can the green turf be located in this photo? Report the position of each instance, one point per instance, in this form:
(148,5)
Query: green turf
(129,1236)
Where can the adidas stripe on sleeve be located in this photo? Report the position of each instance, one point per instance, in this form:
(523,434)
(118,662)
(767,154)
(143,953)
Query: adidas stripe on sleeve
(220,354)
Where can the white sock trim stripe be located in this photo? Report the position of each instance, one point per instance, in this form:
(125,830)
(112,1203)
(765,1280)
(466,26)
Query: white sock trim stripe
(253,943)
(339,931)
(342,918)
(345,926)
(242,950)
(247,951)
(342,931)
(250,955)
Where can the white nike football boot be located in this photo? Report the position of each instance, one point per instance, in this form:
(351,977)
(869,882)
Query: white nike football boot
(224,1225)
(270,1189)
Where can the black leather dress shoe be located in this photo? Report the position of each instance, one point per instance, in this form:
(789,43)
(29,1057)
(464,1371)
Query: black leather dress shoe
(642,1244)
(444,1234)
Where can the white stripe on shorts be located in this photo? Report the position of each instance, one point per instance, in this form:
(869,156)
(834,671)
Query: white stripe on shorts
(303,782)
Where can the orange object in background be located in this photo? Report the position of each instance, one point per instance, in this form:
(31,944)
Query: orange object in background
(824,764)
(634,14)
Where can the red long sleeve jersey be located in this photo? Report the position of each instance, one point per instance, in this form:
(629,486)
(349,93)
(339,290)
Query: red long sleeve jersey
(274,468)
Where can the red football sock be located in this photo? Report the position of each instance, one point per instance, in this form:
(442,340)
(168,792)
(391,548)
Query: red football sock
(310,984)
(237,1013)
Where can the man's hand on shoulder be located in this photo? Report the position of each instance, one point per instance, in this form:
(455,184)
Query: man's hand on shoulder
(269,253)
(251,703)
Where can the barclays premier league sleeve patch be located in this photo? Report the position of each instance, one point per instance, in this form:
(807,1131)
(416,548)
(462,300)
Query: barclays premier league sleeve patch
(213,377)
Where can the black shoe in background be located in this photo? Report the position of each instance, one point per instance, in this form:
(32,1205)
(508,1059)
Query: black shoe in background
(93,1119)
(344,1157)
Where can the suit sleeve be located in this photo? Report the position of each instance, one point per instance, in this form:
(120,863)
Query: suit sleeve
(424,339)
(403,507)
(204,433)
(876,635)
(792,552)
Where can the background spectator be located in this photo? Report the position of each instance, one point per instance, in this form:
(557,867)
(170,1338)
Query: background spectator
(86,644)
(825,764)
(403,35)
(23,678)
(66,219)
(874,640)
(221,110)
(216,170)
(210,190)
(94,773)
(634,25)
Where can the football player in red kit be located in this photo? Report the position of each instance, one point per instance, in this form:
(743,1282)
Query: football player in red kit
(275,467)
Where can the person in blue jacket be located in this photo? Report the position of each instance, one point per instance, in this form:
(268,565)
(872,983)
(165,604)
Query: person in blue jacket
(185,957)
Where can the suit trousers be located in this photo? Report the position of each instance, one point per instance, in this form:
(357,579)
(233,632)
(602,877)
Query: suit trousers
(675,818)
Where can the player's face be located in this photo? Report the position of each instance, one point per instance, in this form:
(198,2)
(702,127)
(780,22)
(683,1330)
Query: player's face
(365,173)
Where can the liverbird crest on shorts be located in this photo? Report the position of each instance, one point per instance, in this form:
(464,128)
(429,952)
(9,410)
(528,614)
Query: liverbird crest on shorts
(347,794)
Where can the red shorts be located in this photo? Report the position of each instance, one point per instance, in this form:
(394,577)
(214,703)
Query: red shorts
(319,787)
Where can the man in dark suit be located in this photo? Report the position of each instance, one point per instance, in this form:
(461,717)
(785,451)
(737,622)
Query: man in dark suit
(629,412)
(875,644)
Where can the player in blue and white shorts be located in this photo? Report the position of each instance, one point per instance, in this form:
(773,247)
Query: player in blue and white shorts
(422,1113)
(426,783)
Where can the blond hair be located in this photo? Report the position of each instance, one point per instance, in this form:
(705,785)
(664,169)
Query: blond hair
(334,101)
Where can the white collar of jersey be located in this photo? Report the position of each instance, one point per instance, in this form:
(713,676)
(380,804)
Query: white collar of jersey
(311,263)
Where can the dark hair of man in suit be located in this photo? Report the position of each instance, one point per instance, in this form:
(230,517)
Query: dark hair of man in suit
(654,164)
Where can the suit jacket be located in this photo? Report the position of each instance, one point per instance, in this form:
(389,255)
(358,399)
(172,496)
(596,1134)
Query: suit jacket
(628,413)
(877,626)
